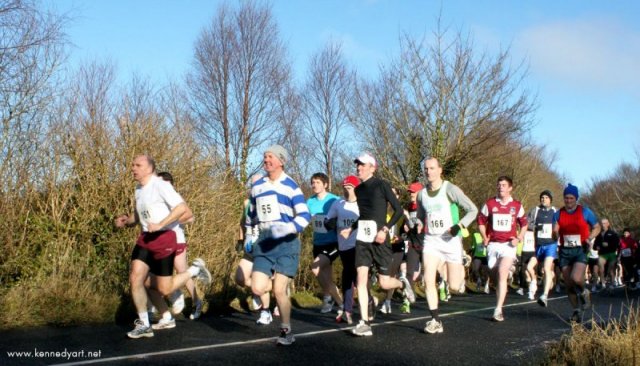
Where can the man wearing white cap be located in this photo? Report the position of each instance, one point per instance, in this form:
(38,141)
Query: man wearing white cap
(372,238)
(277,207)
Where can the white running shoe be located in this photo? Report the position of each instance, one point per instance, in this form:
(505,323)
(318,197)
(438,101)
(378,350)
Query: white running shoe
(433,326)
(362,330)
(542,301)
(265,318)
(327,305)
(520,291)
(164,324)
(286,338)
(407,291)
(497,316)
(177,302)
(487,289)
(140,330)
(204,275)
(385,308)
(197,310)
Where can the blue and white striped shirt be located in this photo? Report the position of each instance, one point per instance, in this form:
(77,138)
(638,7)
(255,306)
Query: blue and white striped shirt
(279,201)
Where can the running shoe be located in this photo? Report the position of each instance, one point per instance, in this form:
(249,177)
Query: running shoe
(497,316)
(520,291)
(533,288)
(594,288)
(558,289)
(177,302)
(164,324)
(405,308)
(265,318)
(487,290)
(344,317)
(140,330)
(407,291)
(286,338)
(327,305)
(433,326)
(204,275)
(197,310)
(576,317)
(442,293)
(362,330)
(542,301)
(385,308)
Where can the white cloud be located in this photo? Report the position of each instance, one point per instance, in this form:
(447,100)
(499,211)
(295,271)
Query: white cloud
(602,53)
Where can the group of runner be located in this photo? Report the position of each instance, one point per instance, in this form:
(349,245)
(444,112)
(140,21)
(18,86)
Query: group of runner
(369,230)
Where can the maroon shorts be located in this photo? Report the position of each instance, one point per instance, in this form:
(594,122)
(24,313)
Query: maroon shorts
(161,243)
(181,248)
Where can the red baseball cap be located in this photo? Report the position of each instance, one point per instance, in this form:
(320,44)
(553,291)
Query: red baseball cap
(415,187)
(351,180)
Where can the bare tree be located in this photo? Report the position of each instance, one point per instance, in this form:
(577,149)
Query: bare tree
(31,51)
(238,72)
(445,98)
(326,96)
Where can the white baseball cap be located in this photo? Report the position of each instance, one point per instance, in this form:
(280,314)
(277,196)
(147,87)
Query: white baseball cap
(366,158)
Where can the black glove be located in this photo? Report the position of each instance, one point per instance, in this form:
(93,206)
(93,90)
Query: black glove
(455,229)
(330,224)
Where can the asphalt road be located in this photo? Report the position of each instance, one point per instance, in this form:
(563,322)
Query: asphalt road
(469,337)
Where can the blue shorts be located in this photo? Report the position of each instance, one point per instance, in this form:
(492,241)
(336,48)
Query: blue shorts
(549,250)
(272,256)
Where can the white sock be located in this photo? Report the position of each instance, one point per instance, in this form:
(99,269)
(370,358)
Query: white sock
(144,317)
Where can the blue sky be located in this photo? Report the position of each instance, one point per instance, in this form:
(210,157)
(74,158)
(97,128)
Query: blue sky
(583,56)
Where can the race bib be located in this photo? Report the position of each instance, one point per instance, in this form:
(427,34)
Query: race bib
(318,224)
(437,223)
(367,231)
(571,241)
(544,232)
(529,244)
(501,222)
(347,223)
(626,252)
(268,208)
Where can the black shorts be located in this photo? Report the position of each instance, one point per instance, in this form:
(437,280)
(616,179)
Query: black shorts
(159,267)
(398,246)
(483,260)
(328,250)
(593,261)
(380,255)
(526,257)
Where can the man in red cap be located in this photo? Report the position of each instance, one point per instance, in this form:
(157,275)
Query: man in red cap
(341,216)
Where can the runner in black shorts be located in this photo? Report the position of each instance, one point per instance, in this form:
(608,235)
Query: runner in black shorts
(372,239)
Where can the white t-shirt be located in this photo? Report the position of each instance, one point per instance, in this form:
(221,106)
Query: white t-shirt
(346,214)
(154,202)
